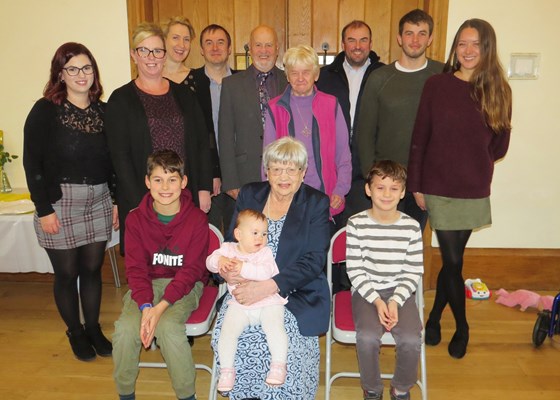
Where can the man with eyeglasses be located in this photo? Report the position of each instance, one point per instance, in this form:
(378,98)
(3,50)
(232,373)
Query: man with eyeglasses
(206,83)
(242,105)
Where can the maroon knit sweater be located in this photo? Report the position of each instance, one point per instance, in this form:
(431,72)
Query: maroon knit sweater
(453,151)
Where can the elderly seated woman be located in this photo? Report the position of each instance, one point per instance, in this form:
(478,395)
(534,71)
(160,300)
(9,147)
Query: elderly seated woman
(315,118)
(298,234)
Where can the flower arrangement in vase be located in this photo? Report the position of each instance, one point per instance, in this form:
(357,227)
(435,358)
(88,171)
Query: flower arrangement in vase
(5,157)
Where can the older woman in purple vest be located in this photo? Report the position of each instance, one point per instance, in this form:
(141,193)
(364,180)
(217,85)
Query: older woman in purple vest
(316,119)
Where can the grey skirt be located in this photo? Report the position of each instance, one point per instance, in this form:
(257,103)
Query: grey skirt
(451,214)
(85,214)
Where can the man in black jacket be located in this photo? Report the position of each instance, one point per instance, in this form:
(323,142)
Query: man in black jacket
(206,82)
(345,78)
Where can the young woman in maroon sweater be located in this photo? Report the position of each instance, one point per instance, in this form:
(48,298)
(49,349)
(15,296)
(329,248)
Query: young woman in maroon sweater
(462,128)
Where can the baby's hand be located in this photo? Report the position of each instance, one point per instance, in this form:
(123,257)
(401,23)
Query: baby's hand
(230,266)
(235,266)
(224,264)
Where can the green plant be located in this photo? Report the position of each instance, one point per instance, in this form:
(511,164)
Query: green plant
(5,157)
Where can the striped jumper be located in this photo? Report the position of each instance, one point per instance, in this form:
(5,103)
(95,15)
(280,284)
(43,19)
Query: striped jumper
(383,256)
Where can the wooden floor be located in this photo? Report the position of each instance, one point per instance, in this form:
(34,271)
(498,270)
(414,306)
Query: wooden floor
(37,363)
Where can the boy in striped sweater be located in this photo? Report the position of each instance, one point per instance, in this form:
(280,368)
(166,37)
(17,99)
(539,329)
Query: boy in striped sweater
(385,264)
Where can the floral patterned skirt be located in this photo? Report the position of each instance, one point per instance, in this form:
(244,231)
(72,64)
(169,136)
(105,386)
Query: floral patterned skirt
(252,362)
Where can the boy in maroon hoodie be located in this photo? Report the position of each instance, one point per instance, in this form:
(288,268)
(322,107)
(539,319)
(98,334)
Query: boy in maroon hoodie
(166,249)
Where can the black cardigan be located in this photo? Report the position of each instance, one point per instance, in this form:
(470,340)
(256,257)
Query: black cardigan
(130,144)
(45,170)
(199,83)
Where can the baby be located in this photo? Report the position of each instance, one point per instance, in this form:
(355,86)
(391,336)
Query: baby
(252,260)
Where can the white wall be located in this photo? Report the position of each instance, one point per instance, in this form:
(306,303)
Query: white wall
(526,187)
(31,31)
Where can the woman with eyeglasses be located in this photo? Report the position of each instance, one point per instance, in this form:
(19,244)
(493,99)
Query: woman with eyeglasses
(316,119)
(152,113)
(68,169)
(298,235)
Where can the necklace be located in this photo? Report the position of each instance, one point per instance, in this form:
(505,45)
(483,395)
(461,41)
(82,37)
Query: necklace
(305,131)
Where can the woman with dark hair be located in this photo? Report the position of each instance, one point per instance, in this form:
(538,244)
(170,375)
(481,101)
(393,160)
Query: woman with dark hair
(462,128)
(67,166)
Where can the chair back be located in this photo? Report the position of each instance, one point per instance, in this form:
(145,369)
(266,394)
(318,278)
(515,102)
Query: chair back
(215,239)
(200,319)
(336,254)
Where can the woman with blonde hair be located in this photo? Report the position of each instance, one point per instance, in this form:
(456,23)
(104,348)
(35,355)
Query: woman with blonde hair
(316,119)
(179,34)
(462,128)
(152,113)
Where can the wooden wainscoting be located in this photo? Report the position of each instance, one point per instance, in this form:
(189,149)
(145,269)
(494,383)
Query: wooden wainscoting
(532,269)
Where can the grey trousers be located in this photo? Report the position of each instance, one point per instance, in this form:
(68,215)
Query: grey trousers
(171,338)
(408,338)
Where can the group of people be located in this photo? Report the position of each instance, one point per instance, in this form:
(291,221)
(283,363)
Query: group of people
(279,160)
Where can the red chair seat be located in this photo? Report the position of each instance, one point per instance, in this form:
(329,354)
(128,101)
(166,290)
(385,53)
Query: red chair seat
(205,306)
(343,311)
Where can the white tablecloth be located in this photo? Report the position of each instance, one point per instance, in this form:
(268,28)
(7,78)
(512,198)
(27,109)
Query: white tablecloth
(19,249)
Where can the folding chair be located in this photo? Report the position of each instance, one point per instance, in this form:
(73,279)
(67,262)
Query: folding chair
(110,248)
(201,319)
(341,327)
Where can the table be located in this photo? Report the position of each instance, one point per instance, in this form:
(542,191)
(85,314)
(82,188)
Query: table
(20,251)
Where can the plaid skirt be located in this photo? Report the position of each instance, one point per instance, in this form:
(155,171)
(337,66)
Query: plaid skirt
(85,215)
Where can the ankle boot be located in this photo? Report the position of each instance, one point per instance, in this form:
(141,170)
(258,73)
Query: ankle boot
(80,345)
(100,343)
(458,346)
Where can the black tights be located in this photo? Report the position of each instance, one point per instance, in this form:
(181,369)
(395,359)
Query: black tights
(84,262)
(450,284)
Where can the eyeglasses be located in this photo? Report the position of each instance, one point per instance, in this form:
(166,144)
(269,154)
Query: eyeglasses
(73,71)
(144,52)
(291,171)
